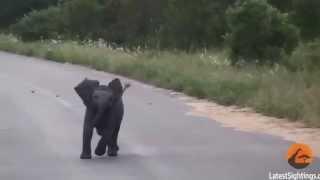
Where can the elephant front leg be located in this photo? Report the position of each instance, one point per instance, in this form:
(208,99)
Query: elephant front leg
(86,143)
(87,137)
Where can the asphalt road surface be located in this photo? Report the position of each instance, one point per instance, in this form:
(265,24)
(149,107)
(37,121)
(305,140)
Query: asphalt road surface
(41,125)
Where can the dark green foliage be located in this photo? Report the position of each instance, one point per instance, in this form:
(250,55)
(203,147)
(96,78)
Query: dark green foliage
(306,15)
(41,24)
(282,5)
(132,22)
(73,19)
(193,24)
(12,10)
(83,18)
(259,33)
(306,57)
(255,31)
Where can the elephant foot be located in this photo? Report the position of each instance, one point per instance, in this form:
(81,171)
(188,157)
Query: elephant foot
(112,152)
(85,156)
(100,151)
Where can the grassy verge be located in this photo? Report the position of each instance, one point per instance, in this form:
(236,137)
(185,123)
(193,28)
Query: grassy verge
(276,92)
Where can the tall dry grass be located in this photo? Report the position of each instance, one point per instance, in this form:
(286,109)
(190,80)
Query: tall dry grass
(272,91)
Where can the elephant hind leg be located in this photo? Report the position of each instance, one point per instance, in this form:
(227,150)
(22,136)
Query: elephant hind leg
(113,151)
(101,149)
(102,144)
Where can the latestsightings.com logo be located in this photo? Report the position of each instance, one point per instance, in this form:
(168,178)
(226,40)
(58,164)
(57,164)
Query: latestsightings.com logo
(294,176)
(298,156)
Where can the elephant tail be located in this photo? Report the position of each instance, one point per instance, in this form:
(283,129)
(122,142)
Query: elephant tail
(126,86)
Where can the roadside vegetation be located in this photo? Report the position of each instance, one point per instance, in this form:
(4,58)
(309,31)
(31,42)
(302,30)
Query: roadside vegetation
(274,91)
(250,53)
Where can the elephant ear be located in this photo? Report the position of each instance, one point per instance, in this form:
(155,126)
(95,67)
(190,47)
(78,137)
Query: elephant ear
(116,87)
(85,89)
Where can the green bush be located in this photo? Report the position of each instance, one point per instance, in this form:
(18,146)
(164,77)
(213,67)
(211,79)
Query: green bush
(270,90)
(306,57)
(306,14)
(259,33)
(83,18)
(282,5)
(193,24)
(73,19)
(13,10)
(132,23)
(41,24)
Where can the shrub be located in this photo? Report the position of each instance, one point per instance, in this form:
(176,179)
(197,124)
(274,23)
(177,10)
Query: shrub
(306,15)
(269,90)
(259,33)
(132,23)
(13,10)
(73,19)
(193,24)
(41,24)
(306,57)
(83,18)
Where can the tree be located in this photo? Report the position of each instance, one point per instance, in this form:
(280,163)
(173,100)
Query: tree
(282,5)
(83,18)
(259,33)
(13,10)
(132,22)
(42,24)
(306,15)
(195,24)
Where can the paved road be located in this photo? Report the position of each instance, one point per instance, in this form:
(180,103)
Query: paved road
(41,122)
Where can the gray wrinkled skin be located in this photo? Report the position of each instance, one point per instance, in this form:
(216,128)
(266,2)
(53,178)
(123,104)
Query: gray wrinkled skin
(104,112)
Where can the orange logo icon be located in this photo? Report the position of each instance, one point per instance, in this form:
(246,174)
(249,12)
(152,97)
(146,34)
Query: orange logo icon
(299,156)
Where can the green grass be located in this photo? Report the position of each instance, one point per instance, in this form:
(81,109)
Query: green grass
(271,91)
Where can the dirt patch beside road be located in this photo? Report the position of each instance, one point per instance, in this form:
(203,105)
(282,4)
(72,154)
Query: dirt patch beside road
(247,120)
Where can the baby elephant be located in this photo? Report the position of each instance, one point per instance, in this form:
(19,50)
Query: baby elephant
(104,111)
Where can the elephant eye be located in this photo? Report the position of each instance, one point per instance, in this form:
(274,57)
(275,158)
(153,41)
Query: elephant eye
(95,97)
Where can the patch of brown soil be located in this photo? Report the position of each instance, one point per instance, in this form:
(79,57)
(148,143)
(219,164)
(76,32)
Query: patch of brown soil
(244,119)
